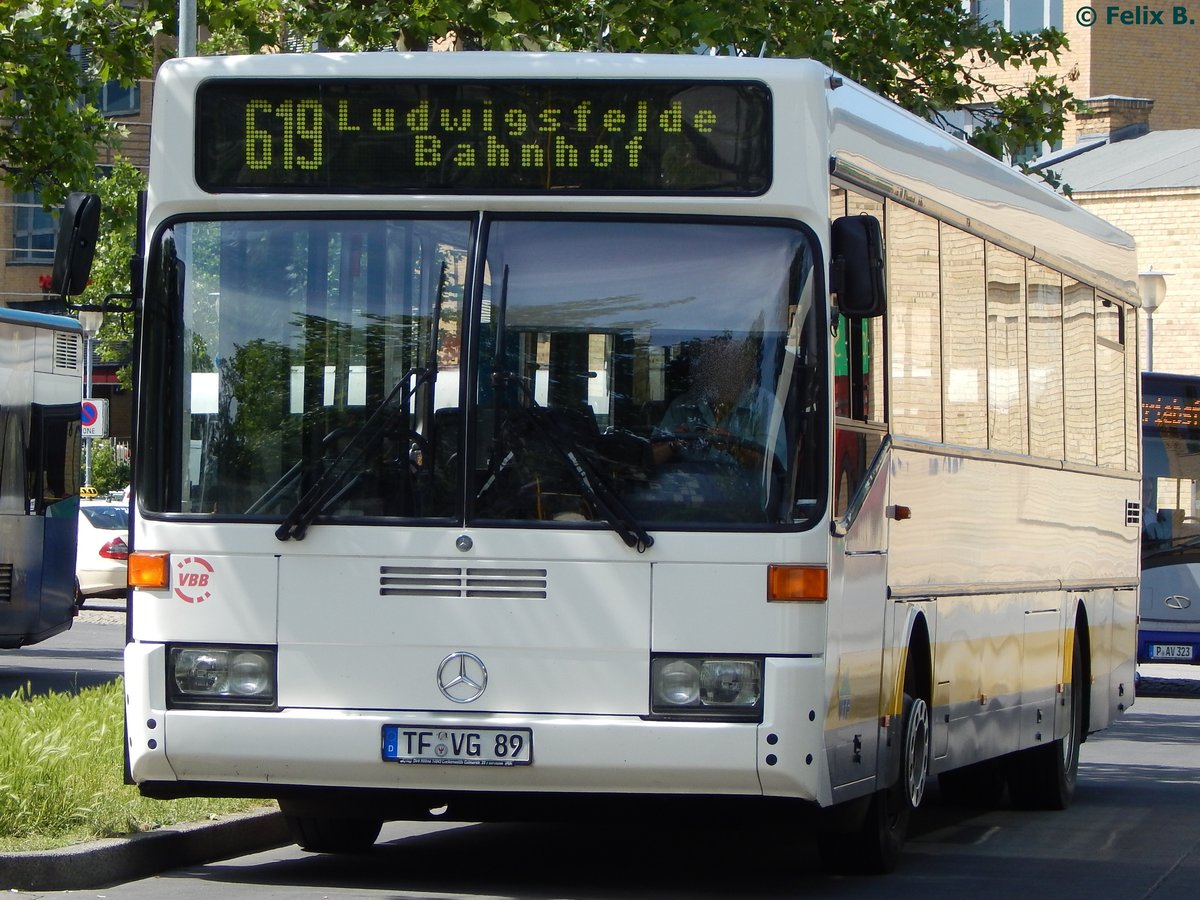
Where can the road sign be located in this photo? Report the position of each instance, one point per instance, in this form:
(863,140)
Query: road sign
(94,415)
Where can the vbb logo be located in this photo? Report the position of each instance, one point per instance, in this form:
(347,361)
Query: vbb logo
(192,579)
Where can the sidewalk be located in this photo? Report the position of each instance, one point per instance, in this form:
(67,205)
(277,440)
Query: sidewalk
(112,861)
(105,604)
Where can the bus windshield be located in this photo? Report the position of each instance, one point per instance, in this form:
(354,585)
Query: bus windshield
(1171,462)
(551,370)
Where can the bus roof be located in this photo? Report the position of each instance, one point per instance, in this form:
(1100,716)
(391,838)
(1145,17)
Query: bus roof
(42,320)
(875,142)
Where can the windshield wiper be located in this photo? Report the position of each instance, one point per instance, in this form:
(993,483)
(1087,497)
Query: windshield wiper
(1172,545)
(595,486)
(329,484)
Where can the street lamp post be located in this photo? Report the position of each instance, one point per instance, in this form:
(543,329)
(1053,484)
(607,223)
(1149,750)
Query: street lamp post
(187,28)
(1153,287)
(91,322)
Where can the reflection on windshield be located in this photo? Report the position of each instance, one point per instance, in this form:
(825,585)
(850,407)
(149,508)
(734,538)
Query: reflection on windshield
(278,339)
(673,356)
(647,374)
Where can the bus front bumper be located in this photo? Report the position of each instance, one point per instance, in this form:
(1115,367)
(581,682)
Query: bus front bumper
(222,752)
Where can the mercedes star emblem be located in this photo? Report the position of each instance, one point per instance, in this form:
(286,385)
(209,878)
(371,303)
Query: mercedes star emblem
(462,677)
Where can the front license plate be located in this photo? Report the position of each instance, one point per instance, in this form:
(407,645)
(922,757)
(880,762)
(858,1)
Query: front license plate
(458,746)
(1170,651)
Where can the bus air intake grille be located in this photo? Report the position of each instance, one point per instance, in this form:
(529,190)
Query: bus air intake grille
(1133,513)
(6,580)
(66,353)
(452,581)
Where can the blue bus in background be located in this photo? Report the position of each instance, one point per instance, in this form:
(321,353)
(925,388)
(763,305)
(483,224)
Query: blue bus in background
(41,387)
(1169,626)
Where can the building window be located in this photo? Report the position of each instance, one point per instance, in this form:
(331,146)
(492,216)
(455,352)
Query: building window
(115,98)
(1019,16)
(963,121)
(118,100)
(34,230)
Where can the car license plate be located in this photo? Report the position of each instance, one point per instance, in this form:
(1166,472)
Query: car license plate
(1171,651)
(433,745)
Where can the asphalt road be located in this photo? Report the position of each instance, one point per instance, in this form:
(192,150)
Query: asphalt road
(88,654)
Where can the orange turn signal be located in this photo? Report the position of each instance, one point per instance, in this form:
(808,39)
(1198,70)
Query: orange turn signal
(797,583)
(150,569)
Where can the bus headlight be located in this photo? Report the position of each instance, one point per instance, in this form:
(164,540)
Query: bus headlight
(714,687)
(218,676)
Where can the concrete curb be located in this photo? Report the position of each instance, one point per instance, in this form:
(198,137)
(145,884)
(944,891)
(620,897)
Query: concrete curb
(102,604)
(115,860)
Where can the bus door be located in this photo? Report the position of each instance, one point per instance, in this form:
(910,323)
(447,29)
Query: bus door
(858,623)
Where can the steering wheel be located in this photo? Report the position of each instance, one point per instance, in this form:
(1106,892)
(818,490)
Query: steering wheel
(745,451)
(420,456)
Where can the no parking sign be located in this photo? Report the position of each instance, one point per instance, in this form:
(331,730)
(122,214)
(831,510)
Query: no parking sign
(94,415)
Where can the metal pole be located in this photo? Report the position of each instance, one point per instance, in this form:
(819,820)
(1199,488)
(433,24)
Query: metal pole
(187,28)
(87,393)
(92,322)
(1149,341)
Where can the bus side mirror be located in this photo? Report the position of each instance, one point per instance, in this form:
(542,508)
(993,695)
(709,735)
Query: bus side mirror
(856,266)
(76,245)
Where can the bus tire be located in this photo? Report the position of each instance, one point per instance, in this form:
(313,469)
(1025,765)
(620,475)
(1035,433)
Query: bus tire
(1044,777)
(329,834)
(879,842)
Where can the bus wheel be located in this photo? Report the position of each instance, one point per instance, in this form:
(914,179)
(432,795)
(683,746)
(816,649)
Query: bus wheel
(329,834)
(1044,777)
(879,842)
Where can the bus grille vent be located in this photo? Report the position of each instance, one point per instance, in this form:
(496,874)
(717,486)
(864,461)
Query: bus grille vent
(452,581)
(66,352)
(6,580)
(1133,513)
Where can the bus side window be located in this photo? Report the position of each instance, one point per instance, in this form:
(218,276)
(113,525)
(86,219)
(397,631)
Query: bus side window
(964,326)
(914,319)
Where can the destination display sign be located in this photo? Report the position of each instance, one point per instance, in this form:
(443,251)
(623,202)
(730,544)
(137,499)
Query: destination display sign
(404,136)
(1170,411)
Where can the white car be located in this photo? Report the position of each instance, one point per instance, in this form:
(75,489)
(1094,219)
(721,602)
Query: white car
(102,561)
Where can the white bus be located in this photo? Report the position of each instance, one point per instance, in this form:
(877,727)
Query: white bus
(41,385)
(1169,623)
(525,435)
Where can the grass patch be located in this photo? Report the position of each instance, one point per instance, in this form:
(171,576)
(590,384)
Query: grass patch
(62,774)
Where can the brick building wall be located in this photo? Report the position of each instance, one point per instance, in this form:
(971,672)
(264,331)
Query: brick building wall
(1157,62)
(18,280)
(1163,222)
(1154,61)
